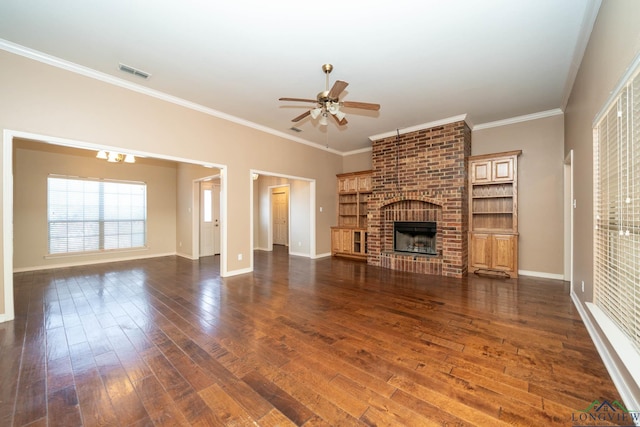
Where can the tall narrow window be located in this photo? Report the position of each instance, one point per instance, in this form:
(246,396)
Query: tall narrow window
(617,211)
(89,215)
(206,205)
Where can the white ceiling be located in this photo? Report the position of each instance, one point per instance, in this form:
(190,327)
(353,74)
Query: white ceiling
(422,61)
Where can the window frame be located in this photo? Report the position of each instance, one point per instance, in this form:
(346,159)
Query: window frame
(100,219)
(616,220)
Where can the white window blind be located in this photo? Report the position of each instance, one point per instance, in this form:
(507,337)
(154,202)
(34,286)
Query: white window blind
(93,215)
(617,211)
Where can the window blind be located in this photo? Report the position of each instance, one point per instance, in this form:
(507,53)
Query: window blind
(92,215)
(617,211)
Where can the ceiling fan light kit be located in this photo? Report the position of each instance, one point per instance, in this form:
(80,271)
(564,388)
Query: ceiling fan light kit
(328,102)
(114,157)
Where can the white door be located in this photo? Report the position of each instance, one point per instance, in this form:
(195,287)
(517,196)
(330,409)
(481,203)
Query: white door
(209,218)
(280,215)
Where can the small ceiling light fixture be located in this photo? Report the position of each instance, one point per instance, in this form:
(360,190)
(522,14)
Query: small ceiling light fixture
(315,113)
(114,157)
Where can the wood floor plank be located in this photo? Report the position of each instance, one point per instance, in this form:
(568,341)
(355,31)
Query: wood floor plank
(225,408)
(159,405)
(126,403)
(63,408)
(167,341)
(280,399)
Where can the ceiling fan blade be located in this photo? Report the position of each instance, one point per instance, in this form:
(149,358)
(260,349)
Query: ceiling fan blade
(297,99)
(337,89)
(301,116)
(340,122)
(362,105)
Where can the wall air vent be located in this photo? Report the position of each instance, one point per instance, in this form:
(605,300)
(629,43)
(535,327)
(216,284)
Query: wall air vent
(134,71)
(295,129)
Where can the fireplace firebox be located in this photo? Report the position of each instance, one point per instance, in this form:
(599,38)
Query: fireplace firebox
(415,237)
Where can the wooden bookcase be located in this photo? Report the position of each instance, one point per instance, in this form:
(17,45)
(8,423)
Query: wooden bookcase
(493,213)
(349,237)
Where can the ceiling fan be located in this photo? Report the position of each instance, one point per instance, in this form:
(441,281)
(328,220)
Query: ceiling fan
(328,102)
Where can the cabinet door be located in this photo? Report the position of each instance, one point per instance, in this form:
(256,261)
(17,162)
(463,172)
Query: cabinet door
(481,171)
(347,241)
(503,252)
(336,240)
(480,250)
(347,184)
(364,183)
(502,170)
(359,242)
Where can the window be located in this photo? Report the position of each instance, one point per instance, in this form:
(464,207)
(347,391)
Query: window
(207,207)
(617,210)
(93,215)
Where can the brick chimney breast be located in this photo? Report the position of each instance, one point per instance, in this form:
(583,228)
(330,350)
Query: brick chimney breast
(421,176)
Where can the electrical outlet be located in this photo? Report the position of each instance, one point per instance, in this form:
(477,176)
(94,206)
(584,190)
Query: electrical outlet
(239,257)
(583,286)
(299,243)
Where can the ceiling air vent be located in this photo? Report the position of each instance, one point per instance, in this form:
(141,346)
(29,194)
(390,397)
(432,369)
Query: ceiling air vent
(134,71)
(295,129)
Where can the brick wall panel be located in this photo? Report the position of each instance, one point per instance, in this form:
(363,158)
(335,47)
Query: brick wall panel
(421,176)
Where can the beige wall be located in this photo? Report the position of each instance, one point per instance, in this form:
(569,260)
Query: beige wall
(33,162)
(614,43)
(357,162)
(540,188)
(44,100)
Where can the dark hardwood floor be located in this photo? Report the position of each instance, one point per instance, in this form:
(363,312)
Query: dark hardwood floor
(166,341)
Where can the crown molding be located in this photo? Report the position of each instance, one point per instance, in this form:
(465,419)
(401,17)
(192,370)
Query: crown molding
(461,117)
(586,27)
(359,151)
(109,79)
(519,119)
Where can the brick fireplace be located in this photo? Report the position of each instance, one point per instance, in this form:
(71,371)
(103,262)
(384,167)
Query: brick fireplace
(421,177)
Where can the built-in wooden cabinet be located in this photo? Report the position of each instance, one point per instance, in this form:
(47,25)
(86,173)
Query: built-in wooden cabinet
(349,242)
(349,238)
(493,213)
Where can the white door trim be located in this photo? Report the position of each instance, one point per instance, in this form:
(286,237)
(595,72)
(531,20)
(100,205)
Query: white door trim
(569,210)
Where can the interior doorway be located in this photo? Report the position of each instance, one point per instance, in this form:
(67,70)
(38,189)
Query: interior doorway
(8,200)
(209,218)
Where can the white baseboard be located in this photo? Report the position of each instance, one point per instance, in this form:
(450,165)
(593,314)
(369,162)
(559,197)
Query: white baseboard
(89,262)
(541,274)
(631,401)
(238,272)
(5,318)
(305,255)
(324,255)
(181,255)
(262,249)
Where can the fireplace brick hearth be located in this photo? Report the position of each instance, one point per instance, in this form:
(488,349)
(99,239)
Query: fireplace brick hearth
(421,176)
